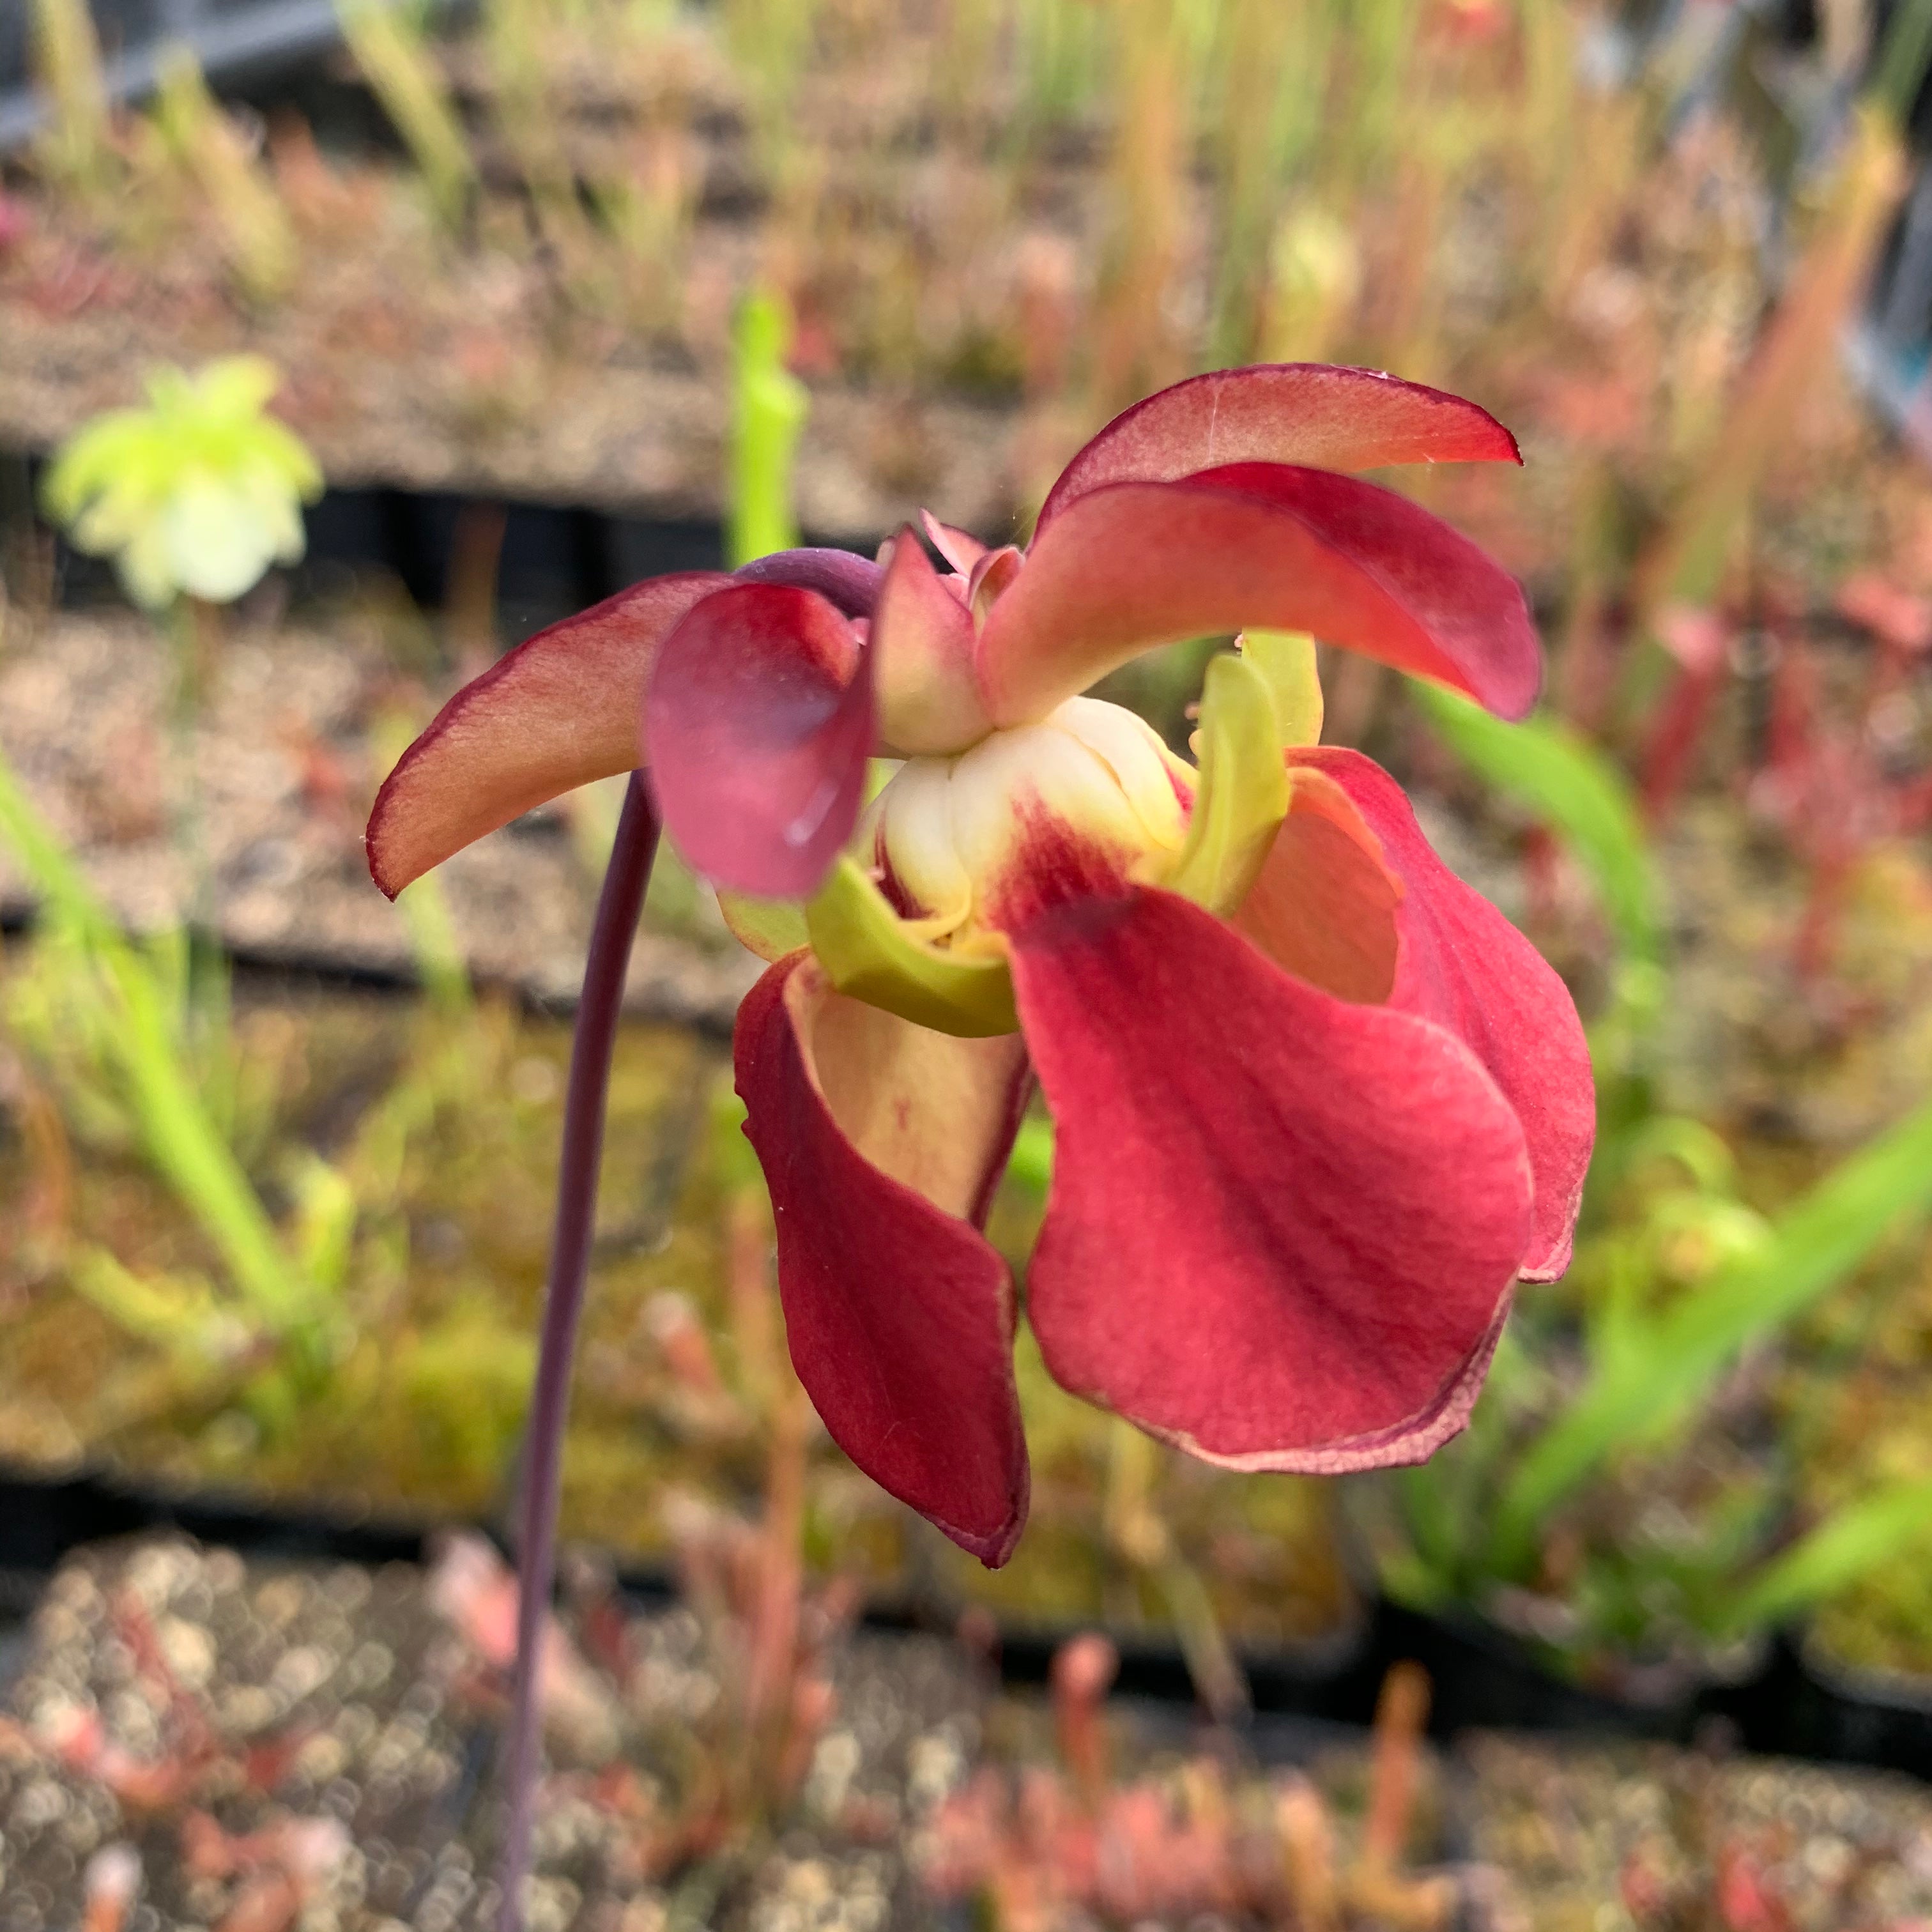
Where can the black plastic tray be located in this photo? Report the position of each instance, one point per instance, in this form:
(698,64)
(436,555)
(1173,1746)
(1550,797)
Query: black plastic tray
(230,38)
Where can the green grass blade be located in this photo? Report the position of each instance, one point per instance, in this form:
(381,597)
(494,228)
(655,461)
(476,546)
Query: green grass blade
(769,405)
(137,1023)
(1653,1382)
(1570,784)
(1892,1521)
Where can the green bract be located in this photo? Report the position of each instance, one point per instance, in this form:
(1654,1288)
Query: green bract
(197,493)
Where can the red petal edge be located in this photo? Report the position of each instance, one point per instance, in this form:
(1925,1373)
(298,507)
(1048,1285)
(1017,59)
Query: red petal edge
(758,721)
(557,712)
(1301,412)
(960,548)
(899,1315)
(1283,1228)
(1135,565)
(1463,965)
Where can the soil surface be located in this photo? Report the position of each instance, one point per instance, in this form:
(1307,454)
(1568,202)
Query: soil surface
(215,1734)
(298,727)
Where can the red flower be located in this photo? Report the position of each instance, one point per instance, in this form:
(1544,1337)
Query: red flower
(1319,1105)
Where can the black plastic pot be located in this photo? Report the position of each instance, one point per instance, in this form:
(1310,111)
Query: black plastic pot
(1852,1715)
(1333,1677)
(42,1518)
(1487,1678)
(229,38)
(553,560)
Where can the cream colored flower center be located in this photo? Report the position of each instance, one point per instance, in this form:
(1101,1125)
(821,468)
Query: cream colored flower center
(952,833)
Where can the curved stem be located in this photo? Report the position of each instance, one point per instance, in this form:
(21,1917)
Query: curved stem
(618,907)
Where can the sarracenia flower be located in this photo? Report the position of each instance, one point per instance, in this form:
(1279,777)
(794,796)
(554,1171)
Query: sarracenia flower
(1319,1105)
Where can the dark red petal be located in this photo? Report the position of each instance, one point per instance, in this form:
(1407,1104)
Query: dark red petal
(880,1142)
(849,581)
(1282,1227)
(555,712)
(758,722)
(1260,545)
(1304,412)
(1463,965)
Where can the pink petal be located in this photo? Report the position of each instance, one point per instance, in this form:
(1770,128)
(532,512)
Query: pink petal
(881,1142)
(1464,966)
(1304,412)
(557,712)
(1261,544)
(1283,1228)
(959,549)
(841,578)
(922,639)
(758,722)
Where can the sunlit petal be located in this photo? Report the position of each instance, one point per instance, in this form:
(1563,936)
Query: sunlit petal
(1303,412)
(1135,565)
(557,712)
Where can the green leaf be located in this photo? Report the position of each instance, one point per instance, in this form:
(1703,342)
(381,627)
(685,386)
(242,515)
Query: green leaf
(1894,1521)
(135,1014)
(1658,1374)
(872,954)
(769,405)
(1286,660)
(1571,786)
(1242,796)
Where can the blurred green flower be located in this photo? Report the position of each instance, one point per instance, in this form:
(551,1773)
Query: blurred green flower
(199,492)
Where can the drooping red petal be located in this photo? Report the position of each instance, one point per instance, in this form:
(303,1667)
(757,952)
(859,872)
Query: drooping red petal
(1463,965)
(758,722)
(922,639)
(1282,1227)
(557,712)
(849,581)
(1304,413)
(1260,545)
(880,1142)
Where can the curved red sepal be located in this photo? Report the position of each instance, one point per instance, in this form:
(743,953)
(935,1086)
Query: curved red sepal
(758,721)
(557,712)
(1262,545)
(842,578)
(1463,964)
(921,639)
(1283,1228)
(1304,412)
(899,1315)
